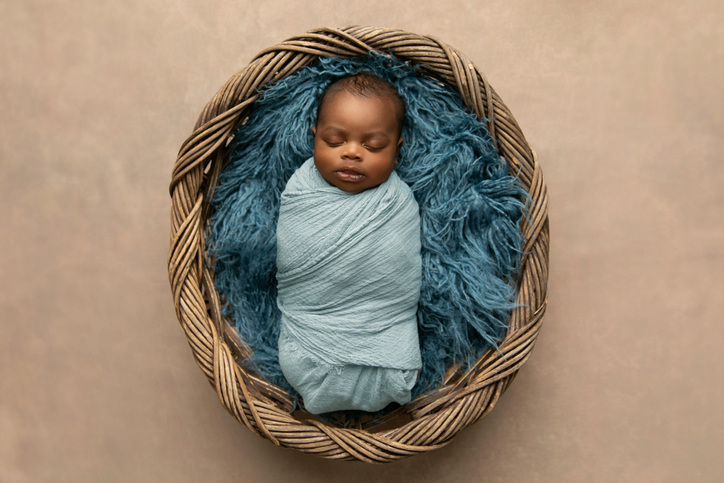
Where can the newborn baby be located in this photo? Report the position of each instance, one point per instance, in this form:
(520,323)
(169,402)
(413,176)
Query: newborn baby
(348,257)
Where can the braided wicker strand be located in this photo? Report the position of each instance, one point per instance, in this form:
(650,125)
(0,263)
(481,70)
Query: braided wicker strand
(431,420)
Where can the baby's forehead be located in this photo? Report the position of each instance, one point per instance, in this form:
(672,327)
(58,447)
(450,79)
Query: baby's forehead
(376,100)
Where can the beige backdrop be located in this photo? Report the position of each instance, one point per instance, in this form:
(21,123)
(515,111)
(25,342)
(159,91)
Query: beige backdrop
(622,101)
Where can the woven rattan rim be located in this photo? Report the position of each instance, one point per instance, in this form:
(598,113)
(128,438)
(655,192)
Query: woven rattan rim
(429,421)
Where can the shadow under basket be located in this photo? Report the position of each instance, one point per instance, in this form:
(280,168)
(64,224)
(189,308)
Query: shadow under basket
(432,419)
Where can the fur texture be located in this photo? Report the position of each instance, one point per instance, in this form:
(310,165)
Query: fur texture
(470,210)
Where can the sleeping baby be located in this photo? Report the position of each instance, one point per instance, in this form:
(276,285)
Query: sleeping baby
(348,257)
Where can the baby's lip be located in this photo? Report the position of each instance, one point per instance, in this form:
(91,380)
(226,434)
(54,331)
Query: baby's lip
(350,175)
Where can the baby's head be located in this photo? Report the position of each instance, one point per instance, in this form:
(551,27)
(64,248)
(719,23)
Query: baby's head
(357,136)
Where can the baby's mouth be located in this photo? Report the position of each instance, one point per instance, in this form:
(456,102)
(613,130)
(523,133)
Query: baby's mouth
(349,175)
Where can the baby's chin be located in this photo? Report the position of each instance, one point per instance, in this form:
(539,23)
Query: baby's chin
(354,188)
(351,189)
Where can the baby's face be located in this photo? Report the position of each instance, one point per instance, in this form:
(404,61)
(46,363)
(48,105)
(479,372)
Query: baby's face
(356,141)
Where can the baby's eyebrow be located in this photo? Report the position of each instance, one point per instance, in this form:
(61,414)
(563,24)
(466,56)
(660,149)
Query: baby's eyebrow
(333,130)
(379,134)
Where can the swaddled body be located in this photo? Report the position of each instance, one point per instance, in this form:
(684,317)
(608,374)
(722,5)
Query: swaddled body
(348,272)
(348,257)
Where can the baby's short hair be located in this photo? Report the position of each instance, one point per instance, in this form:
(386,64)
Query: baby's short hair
(366,84)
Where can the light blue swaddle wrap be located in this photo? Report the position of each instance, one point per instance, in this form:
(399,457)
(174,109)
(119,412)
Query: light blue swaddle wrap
(348,276)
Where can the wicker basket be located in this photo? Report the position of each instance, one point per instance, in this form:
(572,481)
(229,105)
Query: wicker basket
(429,421)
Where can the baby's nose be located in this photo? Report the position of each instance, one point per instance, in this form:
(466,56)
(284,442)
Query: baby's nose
(352,150)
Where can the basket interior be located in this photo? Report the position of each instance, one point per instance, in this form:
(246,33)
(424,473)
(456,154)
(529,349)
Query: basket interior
(470,209)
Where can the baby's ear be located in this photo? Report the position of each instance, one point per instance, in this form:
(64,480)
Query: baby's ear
(399,143)
(314,130)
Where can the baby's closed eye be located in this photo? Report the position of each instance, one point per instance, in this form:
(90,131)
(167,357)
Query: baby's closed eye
(334,141)
(375,144)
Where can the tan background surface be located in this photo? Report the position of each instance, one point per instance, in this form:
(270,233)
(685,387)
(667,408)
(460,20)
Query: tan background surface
(623,102)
